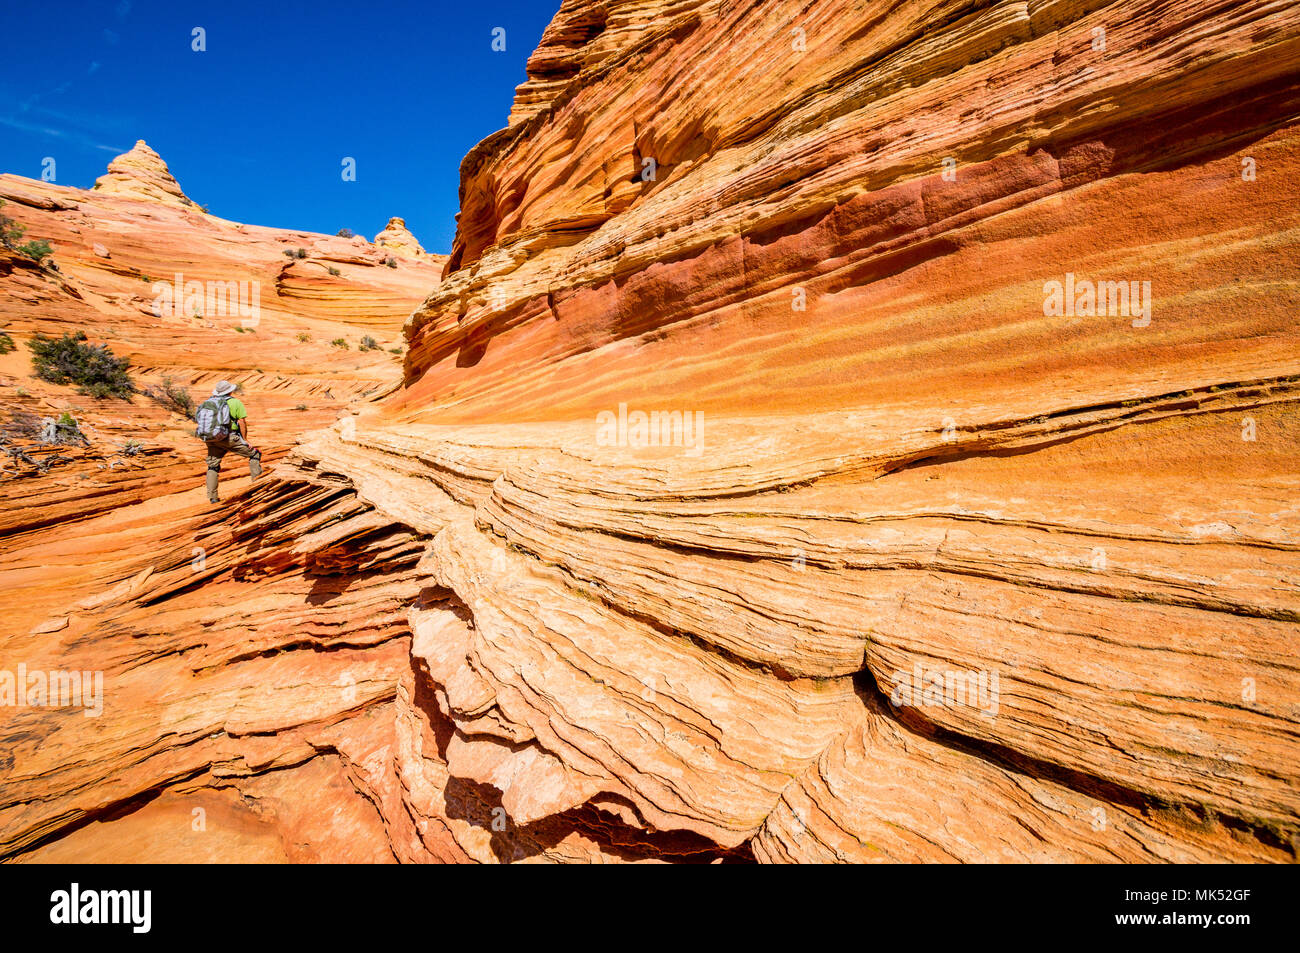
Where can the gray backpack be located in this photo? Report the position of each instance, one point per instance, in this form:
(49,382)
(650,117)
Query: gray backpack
(213,418)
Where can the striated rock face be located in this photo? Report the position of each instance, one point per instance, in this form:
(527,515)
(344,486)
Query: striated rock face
(764,482)
(188,298)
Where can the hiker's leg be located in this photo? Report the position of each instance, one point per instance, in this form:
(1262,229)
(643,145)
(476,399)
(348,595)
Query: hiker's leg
(215,453)
(240,446)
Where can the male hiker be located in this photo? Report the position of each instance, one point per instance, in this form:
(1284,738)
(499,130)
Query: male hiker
(221,425)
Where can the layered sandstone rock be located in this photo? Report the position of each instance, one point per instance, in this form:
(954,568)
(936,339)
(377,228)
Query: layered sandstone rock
(142,174)
(397,238)
(752,491)
(188,298)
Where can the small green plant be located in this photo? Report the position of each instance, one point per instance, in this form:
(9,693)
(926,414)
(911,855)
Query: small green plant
(146,279)
(345,233)
(339,342)
(22,392)
(334,271)
(391,262)
(92,367)
(132,448)
(61,430)
(302,253)
(10,231)
(368,344)
(37,250)
(304,337)
(394,350)
(204,210)
(6,343)
(301,407)
(172,396)
(289,253)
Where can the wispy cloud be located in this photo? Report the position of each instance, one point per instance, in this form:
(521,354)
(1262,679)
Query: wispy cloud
(111,37)
(72,138)
(123,8)
(94,65)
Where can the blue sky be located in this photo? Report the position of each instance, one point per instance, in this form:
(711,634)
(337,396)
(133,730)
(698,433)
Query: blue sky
(257,126)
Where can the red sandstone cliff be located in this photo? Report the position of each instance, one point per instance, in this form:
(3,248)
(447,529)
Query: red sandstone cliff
(941,572)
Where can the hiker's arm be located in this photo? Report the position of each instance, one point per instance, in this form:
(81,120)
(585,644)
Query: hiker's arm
(243,428)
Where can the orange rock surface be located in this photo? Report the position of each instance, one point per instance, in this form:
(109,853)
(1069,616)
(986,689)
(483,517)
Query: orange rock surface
(752,489)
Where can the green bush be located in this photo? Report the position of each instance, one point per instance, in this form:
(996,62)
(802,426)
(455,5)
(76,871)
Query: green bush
(334,271)
(6,343)
(304,337)
(37,250)
(302,253)
(345,233)
(394,350)
(92,367)
(301,407)
(391,262)
(289,253)
(172,396)
(10,231)
(368,344)
(339,342)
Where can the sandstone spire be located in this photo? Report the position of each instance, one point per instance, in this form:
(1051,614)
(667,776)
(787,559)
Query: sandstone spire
(142,173)
(397,238)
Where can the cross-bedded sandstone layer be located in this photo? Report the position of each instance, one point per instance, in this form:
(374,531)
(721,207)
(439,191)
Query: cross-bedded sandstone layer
(749,496)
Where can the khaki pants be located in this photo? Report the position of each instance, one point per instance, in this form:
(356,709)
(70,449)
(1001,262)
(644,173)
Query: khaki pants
(233,443)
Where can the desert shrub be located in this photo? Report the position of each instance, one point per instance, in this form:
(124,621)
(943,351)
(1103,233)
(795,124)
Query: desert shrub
(334,271)
(302,253)
(36,250)
(172,396)
(345,233)
(21,423)
(10,231)
(339,342)
(301,407)
(289,253)
(6,343)
(394,350)
(391,262)
(66,430)
(304,337)
(368,344)
(132,448)
(92,367)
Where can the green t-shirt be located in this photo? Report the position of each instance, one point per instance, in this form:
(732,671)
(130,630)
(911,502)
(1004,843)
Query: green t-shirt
(237,410)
